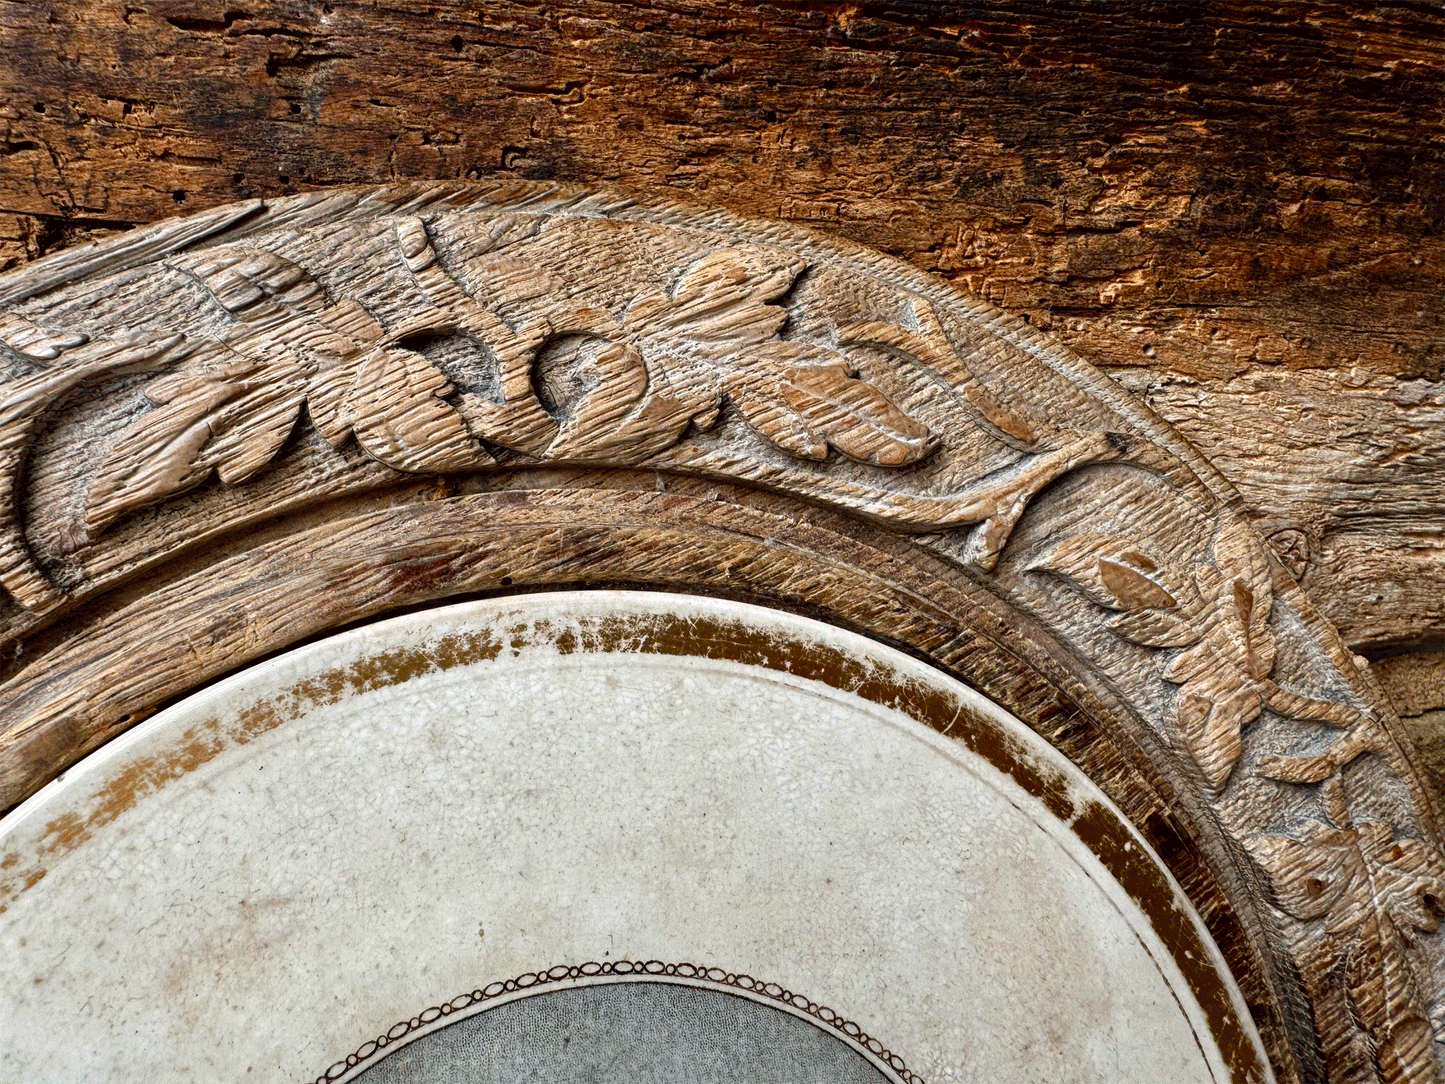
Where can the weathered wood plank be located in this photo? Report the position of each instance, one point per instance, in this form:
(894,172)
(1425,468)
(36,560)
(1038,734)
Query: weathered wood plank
(1345,469)
(1198,187)
(1224,193)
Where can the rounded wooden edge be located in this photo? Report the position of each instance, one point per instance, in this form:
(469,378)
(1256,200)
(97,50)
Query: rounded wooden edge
(134,651)
(645,623)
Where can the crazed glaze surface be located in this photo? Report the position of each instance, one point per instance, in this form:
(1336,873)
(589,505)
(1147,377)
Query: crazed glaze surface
(334,840)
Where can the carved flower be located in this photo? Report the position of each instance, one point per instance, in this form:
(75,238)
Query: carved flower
(1215,615)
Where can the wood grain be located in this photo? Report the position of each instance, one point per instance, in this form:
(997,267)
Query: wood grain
(196,411)
(1235,208)
(1215,195)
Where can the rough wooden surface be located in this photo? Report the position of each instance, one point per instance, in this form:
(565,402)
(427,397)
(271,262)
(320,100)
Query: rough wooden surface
(1197,187)
(1239,195)
(1415,683)
(1235,208)
(202,412)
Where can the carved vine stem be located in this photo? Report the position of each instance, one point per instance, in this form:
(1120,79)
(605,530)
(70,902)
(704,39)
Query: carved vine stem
(1048,451)
(659,375)
(665,365)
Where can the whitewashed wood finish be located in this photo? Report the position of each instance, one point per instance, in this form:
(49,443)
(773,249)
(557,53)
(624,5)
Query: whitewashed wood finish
(172,389)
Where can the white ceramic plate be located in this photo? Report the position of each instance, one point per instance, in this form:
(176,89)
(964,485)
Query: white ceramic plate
(374,835)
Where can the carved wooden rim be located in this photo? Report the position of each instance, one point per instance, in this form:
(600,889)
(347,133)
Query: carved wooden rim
(411,394)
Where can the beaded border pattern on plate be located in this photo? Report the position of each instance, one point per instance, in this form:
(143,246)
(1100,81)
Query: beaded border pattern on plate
(821,1014)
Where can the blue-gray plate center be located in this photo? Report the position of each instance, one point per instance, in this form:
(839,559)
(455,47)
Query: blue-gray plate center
(628,1033)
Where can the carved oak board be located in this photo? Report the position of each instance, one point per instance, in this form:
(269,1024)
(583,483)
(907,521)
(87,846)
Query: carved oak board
(226,434)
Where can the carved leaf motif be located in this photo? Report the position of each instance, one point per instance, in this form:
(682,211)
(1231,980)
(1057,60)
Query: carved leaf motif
(1131,585)
(1371,889)
(806,399)
(245,279)
(720,299)
(636,409)
(1241,575)
(1218,620)
(1018,425)
(231,419)
(25,403)
(230,410)
(1112,573)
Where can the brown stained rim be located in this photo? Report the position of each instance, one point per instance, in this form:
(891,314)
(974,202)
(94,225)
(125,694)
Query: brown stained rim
(1097,824)
(127,653)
